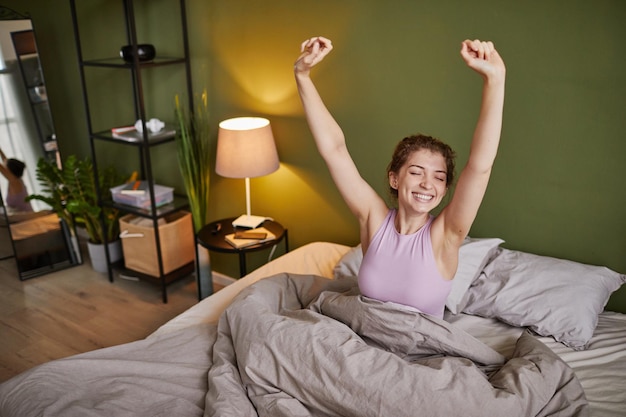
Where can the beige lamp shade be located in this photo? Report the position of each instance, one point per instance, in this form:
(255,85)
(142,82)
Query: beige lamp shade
(245,148)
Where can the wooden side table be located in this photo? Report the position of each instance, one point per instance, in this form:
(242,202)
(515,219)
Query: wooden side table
(212,237)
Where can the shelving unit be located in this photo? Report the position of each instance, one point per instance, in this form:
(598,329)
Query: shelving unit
(138,71)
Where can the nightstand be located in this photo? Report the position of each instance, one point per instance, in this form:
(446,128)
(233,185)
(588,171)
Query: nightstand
(212,237)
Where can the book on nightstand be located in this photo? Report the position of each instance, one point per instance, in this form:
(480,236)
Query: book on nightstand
(258,235)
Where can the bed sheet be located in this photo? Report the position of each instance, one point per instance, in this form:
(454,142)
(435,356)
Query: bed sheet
(35,226)
(601,369)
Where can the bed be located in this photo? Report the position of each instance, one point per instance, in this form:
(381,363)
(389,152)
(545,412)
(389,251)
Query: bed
(522,335)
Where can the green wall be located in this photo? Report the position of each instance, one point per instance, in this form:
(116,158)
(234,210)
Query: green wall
(558,185)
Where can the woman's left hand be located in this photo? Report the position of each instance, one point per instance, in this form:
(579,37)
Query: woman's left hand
(312,51)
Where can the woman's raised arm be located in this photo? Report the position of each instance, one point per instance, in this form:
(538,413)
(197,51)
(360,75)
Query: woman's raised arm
(329,137)
(460,213)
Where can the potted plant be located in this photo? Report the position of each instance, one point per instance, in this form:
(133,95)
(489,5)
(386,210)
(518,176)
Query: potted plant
(193,138)
(71,192)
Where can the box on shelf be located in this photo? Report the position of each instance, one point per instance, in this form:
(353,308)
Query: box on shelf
(176,236)
(163,195)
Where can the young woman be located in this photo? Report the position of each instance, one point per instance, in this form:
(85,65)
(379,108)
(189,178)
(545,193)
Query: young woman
(410,256)
(12,169)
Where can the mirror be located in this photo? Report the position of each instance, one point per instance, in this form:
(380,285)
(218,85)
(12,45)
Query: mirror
(30,233)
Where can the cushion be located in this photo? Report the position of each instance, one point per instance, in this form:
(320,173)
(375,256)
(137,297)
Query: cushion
(553,297)
(473,256)
(349,264)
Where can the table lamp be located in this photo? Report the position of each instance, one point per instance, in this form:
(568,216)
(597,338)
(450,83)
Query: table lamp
(245,149)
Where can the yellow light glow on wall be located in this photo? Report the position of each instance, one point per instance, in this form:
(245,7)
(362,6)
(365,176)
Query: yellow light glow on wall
(259,56)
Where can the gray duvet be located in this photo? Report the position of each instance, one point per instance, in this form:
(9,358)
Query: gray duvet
(306,346)
(293,345)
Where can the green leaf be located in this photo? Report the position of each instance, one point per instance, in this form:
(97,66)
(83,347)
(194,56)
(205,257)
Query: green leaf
(71,193)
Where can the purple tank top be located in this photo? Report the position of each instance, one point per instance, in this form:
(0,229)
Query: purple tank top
(18,201)
(402,269)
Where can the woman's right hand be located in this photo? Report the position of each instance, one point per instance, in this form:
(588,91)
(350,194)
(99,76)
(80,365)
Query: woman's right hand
(313,51)
(483,58)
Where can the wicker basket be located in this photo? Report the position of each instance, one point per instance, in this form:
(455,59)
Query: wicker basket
(139,243)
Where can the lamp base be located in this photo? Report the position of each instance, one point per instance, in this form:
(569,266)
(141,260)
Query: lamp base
(248,221)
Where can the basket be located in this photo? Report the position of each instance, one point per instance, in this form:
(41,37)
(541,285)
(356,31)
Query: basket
(139,242)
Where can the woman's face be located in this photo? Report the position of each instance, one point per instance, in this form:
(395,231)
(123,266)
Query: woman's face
(421,182)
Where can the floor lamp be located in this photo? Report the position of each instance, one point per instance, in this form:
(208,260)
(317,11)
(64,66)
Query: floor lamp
(246,149)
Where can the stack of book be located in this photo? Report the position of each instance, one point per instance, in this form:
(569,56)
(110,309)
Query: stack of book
(135,188)
(250,237)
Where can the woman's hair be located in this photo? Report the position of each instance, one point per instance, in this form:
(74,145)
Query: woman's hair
(16,167)
(417,142)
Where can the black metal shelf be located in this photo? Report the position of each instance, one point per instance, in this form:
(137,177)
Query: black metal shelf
(169,278)
(119,63)
(143,146)
(180,203)
(106,135)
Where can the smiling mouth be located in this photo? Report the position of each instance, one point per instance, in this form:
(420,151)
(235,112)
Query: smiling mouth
(423,197)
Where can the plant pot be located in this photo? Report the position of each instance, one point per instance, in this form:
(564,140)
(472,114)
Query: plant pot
(98,257)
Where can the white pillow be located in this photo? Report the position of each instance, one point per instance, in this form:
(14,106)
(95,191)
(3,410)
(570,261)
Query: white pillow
(473,256)
(553,297)
(349,264)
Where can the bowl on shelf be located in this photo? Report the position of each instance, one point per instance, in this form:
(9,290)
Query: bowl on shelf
(145,52)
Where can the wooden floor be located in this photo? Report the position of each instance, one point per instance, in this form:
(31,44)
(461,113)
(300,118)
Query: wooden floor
(77,310)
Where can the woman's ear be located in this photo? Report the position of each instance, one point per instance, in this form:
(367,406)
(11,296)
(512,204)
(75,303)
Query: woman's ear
(393,180)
